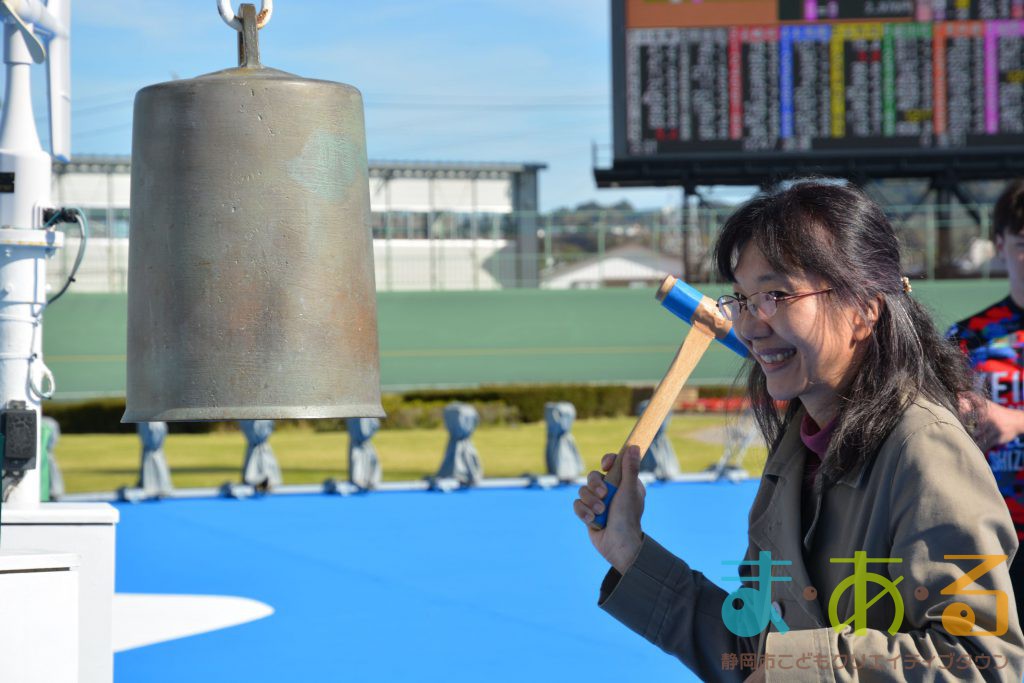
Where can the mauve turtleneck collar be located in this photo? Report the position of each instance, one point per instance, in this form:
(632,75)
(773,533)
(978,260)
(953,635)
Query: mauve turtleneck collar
(814,437)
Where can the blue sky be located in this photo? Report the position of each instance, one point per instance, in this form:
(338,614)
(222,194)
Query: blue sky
(448,80)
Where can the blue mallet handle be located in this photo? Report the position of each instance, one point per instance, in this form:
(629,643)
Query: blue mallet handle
(602,519)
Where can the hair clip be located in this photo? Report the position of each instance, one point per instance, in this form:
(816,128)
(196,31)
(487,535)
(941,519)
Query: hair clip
(907,289)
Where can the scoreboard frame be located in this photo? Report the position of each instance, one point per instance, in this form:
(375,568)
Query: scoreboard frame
(763,168)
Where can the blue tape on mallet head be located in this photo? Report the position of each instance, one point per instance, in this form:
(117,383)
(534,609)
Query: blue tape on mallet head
(684,301)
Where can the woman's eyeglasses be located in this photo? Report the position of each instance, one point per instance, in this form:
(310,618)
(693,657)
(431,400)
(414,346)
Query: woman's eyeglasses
(763,304)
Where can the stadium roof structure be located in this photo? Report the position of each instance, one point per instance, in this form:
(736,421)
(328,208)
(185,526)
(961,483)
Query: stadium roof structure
(121,163)
(452,169)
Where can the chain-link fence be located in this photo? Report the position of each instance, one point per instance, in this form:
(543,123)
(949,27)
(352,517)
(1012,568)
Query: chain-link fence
(611,248)
(572,249)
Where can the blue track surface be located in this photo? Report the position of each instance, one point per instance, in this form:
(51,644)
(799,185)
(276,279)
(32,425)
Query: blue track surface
(495,585)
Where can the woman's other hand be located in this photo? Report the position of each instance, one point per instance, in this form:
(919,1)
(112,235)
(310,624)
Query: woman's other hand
(619,542)
(997,425)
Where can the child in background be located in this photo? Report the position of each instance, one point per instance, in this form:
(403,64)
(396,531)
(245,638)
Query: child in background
(993,339)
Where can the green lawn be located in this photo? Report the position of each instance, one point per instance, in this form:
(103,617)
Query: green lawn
(105,462)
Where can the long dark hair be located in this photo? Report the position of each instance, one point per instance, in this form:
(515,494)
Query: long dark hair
(836,232)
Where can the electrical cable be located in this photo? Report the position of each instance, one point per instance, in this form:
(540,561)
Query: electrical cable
(83,228)
(9,482)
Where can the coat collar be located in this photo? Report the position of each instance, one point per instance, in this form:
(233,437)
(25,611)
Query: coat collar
(787,461)
(778,528)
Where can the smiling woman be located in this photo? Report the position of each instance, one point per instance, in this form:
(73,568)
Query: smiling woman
(869,465)
(859,352)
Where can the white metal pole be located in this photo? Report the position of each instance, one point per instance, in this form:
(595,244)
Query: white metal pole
(23,249)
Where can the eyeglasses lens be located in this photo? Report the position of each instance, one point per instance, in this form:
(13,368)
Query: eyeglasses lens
(729,307)
(763,305)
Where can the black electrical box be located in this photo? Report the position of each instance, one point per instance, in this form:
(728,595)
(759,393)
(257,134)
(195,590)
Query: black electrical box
(18,425)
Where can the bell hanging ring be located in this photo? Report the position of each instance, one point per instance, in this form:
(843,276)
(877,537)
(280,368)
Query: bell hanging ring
(250,281)
(235,22)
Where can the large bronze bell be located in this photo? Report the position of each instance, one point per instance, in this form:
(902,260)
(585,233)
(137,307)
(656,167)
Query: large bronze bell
(250,281)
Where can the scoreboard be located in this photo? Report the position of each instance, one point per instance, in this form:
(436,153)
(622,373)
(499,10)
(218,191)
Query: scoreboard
(800,80)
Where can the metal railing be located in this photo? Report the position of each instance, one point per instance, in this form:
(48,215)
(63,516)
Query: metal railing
(573,249)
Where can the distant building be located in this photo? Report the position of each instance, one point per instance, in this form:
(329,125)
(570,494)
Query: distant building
(436,225)
(630,265)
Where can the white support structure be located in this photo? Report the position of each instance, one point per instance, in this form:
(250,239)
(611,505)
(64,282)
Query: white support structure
(56,623)
(39,640)
(23,375)
(88,531)
(25,181)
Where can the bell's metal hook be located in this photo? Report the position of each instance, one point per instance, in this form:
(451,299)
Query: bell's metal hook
(234,21)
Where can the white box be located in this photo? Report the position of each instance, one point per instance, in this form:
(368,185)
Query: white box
(39,629)
(87,530)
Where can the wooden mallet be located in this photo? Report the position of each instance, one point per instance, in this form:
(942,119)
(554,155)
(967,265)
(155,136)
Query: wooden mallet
(707,324)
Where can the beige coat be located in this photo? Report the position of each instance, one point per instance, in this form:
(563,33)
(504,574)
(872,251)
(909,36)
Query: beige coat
(928,494)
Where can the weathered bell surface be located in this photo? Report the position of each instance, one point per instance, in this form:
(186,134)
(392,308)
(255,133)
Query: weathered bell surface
(250,284)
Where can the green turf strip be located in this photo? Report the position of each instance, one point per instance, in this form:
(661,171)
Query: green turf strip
(439,339)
